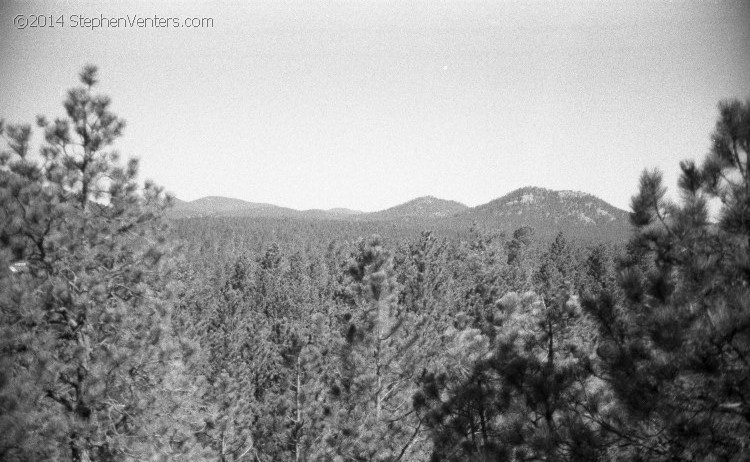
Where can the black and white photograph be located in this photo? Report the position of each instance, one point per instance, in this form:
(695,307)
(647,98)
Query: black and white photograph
(375,231)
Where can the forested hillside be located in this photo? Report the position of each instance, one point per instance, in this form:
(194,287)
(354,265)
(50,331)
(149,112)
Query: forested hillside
(223,206)
(550,212)
(546,331)
(589,219)
(420,208)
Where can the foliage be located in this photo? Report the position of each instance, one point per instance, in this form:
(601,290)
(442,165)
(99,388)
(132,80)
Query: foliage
(676,350)
(529,396)
(371,416)
(91,368)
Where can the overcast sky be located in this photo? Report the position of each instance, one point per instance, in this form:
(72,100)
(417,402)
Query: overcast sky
(369,104)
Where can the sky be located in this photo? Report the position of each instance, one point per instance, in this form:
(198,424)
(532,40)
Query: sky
(366,105)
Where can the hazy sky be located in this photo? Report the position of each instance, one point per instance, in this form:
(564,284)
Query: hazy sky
(368,104)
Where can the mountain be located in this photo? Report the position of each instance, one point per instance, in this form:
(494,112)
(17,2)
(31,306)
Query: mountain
(216,206)
(421,208)
(427,207)
(578,214)
(221,206)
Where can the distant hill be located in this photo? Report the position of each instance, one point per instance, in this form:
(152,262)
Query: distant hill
(427,207)
(578,214)
(343,211)
(216,206)
(220,206)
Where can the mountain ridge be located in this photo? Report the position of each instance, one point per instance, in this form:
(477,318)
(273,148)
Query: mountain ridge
(549,210)
(424,207)
(219,204)
(546,210)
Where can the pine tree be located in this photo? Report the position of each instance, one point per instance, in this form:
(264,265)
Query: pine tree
(520,257)
(676,349)
(599,273)
(267,329)
(557,276)
(92,368)
(482,275)
(531,397)
(371,395)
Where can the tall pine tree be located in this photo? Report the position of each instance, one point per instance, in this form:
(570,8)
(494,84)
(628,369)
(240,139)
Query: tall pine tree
(371,415)
(677,350)
(91,365)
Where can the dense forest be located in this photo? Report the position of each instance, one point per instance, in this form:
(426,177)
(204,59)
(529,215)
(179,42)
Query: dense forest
(128,335)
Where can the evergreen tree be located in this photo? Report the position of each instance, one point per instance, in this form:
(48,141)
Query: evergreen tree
(267,329)
(371,410)
(676,350)
(92,368)
(557,276)
(482,275)
(531,397)
(520,257)
(599,273)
